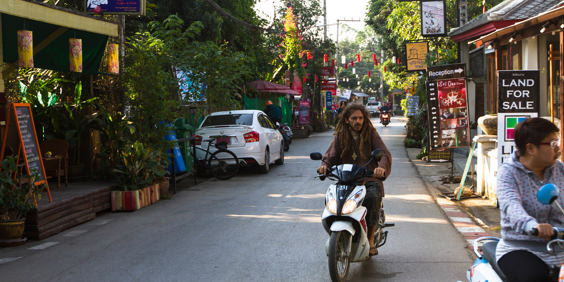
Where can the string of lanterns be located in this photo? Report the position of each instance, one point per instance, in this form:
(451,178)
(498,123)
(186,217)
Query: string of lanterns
(25,53)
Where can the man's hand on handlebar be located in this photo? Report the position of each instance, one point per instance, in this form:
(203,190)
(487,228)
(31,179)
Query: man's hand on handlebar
(545,231)
(322,169)
(379,172)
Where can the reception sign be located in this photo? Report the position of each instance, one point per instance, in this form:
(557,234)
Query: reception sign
(435,110)
(518,99)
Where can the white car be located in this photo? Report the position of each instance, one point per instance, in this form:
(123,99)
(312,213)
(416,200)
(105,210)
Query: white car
(373,108)
(250,134)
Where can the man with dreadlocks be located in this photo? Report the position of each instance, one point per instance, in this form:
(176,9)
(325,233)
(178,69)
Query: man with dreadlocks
(355,139)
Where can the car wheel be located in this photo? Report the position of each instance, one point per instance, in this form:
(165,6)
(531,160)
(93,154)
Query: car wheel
(266,167)
(280,161)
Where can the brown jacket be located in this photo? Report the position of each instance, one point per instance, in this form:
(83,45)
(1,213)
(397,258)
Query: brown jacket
(332,156)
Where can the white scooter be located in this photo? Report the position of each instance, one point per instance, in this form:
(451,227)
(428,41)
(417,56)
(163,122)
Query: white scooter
(344,217)
(485,267)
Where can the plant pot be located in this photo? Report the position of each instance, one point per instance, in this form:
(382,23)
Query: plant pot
(488,124)
(126,200)
(163,187)
(11,233)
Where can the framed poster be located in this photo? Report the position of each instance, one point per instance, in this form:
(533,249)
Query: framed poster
(416,54)
(433,18)
(453,109)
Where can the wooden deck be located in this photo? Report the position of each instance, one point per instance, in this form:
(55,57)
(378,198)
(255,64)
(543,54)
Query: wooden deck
(71,206)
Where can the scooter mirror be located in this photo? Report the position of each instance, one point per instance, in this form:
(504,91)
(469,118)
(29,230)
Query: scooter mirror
(547,194)
(377,154)
(316,156)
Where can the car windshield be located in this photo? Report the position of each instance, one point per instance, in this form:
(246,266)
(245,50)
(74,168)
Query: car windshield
(372,104)
(229,119)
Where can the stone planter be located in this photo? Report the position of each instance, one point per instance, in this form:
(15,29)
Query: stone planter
(488,124)
(136,199)
(12,233)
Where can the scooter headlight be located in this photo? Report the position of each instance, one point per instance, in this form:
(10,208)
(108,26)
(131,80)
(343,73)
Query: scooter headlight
(332,206)
(349,206)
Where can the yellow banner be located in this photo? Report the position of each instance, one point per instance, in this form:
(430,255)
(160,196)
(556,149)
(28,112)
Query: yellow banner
(75,47)
(416,53)
(113,58)
(25,48)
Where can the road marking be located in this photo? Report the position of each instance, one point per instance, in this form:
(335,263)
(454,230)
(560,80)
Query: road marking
(7,260)
(470,229)
(43,246)
(101,222)
(74,233)
(461,219)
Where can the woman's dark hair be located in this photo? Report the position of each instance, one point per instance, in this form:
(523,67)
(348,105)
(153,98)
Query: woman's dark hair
(532,130)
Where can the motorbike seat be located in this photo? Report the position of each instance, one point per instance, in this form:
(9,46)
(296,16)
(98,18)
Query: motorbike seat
(488,251)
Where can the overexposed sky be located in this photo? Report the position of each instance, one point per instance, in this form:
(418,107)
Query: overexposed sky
(336,9)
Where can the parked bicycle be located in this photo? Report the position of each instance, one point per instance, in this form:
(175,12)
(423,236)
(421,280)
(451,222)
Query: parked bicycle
(221,163)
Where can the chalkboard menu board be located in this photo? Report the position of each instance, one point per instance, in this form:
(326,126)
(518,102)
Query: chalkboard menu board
(20,134)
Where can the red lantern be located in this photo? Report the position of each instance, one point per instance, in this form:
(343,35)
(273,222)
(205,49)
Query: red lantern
(305,78)
(398,61)
(376,62)
(325,57)
(308,55)
(384,68)
(368,73)
(333,63)
(374,57)
(352,63)
(358,57)
(316,78)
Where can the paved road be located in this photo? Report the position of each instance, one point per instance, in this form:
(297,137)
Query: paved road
(253,227)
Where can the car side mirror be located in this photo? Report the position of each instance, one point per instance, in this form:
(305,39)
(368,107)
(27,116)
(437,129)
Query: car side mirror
(548,193)
(316,156)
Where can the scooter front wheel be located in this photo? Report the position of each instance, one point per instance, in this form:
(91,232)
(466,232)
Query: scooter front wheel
(339,255)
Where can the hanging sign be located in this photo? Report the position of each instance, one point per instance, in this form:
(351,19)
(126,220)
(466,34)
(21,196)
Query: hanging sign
(328,100)
(518,99)
(75,54)
(433,18)
(435,73)
(416,54)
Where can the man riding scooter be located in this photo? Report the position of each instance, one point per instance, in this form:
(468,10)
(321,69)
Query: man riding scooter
(355,139)
(385,114)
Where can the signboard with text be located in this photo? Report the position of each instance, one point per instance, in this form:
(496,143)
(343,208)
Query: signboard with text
(434,74)
(136,7)
(416,54)
(412,105)
(518,99)
(453,109)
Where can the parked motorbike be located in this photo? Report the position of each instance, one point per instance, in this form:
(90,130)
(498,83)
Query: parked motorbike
(287,134)
(344,217)
(385,118)
(485,267)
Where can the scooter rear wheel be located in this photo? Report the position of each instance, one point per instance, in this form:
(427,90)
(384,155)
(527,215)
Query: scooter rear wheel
(339,255)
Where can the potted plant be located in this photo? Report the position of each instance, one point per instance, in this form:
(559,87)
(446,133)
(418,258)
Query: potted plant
(17,198)
(136,173)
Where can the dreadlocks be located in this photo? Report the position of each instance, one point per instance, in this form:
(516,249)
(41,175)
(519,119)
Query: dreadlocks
(343,131)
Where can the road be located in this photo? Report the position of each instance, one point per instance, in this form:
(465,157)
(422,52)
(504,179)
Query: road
(253,227)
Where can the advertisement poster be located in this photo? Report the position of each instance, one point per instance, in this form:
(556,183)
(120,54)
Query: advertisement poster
(116,6)
(518,100)
(434,74)
(303,112)
(453,111)
(433,20)
(416,54)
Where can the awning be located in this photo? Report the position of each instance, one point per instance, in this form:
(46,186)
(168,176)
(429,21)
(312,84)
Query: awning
(52,27)
(271,87)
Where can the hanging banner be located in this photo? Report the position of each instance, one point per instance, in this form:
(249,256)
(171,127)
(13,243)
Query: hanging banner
(433,18)
(416,54)
(75,54)
(25,48)
(113,58)
(435,73)
(518,99)
(453,108)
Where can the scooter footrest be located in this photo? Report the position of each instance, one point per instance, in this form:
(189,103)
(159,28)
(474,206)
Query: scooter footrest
(382,239)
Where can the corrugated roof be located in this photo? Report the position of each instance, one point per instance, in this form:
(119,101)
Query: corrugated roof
(508,10)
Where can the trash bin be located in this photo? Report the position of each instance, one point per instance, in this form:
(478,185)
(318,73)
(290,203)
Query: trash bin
(184,130)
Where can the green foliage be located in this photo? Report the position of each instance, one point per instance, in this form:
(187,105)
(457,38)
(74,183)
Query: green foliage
(139,167)
(17,197)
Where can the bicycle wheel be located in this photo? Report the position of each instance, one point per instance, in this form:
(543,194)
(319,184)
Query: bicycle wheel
(223,164)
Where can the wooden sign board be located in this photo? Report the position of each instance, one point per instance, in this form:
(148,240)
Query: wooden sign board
(20,121)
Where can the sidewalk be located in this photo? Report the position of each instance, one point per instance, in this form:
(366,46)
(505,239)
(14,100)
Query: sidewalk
(473,217)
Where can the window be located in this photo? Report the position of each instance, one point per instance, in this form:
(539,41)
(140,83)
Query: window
(229,119)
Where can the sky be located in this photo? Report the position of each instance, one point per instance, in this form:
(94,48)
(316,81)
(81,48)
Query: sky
(336,9)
